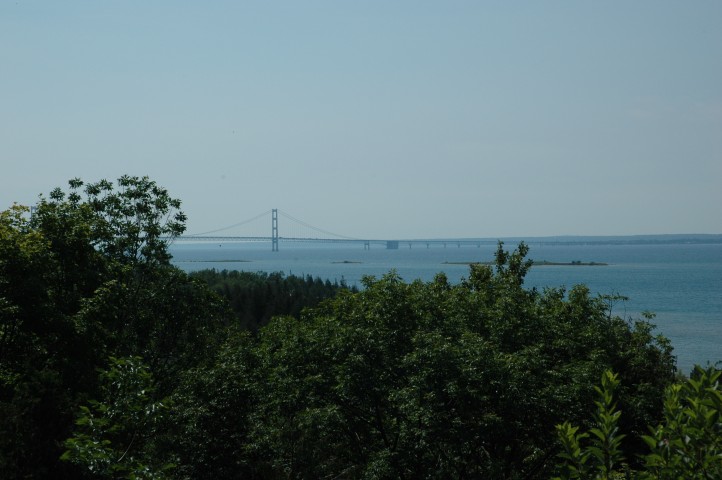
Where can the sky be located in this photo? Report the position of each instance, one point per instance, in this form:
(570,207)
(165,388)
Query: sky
(376,119)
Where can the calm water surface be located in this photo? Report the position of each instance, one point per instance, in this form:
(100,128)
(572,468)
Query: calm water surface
(681,284)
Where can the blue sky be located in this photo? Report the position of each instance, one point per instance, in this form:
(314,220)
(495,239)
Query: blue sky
(390,119)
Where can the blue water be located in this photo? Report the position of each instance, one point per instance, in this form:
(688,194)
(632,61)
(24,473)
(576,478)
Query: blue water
(681,284)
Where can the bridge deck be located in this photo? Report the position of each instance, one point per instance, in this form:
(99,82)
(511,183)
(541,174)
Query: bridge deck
(390,244)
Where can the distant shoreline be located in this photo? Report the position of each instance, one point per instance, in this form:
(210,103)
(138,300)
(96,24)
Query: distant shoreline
(564,240)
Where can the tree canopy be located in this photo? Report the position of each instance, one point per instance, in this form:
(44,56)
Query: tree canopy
(86,277)
(116,364)
(434,380)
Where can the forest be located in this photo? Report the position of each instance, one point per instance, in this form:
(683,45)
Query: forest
(114,364)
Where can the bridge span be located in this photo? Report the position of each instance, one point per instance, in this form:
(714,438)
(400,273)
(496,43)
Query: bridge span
(388,244)
(313,234)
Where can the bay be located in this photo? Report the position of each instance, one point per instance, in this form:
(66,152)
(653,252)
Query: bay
(680,283)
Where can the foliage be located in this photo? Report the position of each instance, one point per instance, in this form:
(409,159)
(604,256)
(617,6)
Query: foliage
(209,423)
(256,297)
(432,380)
(131,223)
(34,343)
(113,434)
(87,277)
(687,443)
(23,254)
(603,453)
(398,380)
(169,319)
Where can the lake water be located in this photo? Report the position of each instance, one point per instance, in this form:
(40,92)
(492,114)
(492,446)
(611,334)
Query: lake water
(681,284)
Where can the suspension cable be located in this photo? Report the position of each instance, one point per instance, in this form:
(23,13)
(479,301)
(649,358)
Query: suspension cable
(307,225)
(231,226)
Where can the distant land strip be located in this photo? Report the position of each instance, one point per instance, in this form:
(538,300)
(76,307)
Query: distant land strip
(662,239)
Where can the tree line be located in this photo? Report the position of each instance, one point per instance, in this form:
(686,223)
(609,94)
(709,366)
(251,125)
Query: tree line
(256,297)
(116,364)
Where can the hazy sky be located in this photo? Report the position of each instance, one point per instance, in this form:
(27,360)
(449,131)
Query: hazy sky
(387,119)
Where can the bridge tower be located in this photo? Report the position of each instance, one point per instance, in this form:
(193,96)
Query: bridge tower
(274,230)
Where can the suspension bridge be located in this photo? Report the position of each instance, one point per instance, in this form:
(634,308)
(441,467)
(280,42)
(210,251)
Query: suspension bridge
(298,231)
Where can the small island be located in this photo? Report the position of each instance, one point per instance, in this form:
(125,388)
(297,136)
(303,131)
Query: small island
(573,263)
(212,261)
(543,263)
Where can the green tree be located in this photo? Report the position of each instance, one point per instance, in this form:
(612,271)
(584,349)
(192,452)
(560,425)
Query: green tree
(210,419)
(35,346)
(601,458)
(114,435)
(432,380)
(399,380)
(686,444)
(112,242)
(24,255)
(134,222)
(256,297)
(88,277)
